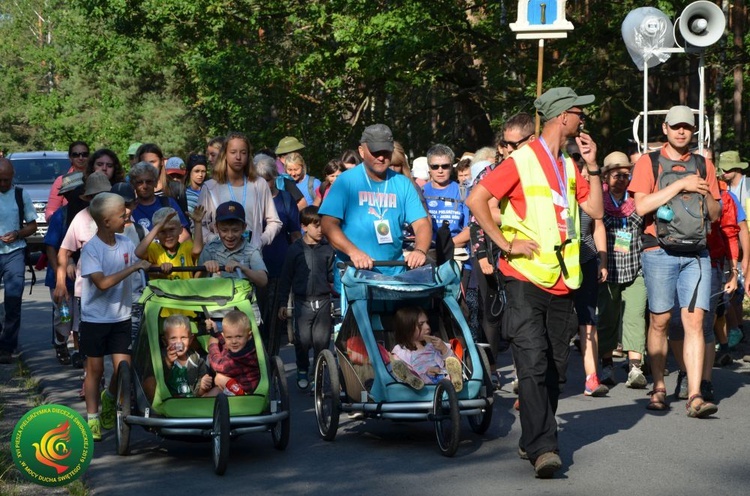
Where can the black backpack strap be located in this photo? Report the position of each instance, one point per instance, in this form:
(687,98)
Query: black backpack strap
(21,222)
(701,164)
(655,163)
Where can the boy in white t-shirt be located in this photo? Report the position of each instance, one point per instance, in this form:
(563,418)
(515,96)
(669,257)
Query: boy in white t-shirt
(107,261)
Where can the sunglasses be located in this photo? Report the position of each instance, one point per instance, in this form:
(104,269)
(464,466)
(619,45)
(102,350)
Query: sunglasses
(440,166)
(79,155)
(579,113)
(515,144)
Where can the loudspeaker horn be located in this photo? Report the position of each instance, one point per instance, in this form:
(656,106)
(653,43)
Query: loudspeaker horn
(702,24)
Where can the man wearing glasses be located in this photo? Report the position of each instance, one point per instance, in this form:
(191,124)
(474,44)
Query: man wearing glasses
(444,202)
(363,214)
(517,131)
(540,190)
(676,277)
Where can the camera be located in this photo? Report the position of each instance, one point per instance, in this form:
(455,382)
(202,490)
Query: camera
(178,347)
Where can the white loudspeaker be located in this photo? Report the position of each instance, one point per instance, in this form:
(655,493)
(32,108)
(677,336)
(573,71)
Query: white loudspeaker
(702,24)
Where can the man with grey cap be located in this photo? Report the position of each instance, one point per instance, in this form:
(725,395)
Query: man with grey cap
(540,190)
(363,214)
(676,277)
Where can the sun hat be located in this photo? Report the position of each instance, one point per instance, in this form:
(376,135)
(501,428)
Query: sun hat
(616,160)
(288,144)
(731,160)
(71,181)
(96,183)
(420,169)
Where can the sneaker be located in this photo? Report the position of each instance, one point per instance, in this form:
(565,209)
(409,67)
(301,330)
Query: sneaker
(96,429)
(618,352)
(608,375)
(594,388)
(76,360)
(707,390)
(108,411)
(522,454)
(723,360)
(547,464)
(636,378)
(681,390)
(403,373)
(302,381)
(735,336)
(514,385)
(746,358)
(496,379)
(453,366)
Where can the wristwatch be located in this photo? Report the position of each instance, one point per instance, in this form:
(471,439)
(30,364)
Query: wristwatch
(596,172)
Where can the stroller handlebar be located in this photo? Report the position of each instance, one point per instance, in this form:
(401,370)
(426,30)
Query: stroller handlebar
(376,263)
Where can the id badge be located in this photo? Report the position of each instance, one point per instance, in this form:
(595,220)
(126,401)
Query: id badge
(622,241)
(383,231)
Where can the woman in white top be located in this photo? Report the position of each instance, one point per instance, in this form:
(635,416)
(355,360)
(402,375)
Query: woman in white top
(235,179)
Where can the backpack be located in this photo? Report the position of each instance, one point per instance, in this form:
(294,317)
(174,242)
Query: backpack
(27,249)
(689,227)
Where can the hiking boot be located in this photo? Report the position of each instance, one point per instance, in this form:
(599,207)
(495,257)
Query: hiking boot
(405,374)
(547,464)
(302,381)
(707,390)
(96,429)
(594,388)
(108,411)
(608,375)
(723,360)
(636,378)
(681,389)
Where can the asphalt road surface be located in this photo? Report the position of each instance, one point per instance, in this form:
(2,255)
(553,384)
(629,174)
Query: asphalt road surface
(609,445)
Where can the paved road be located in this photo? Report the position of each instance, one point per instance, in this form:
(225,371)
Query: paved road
(608,445)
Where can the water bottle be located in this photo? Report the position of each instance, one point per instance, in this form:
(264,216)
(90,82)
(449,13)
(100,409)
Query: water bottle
(64,313)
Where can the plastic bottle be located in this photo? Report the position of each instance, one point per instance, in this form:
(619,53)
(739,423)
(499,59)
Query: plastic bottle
(64,313)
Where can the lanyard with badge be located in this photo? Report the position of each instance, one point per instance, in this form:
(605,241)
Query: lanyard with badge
(562,182)
(622,237)
(246,233)
(382,226)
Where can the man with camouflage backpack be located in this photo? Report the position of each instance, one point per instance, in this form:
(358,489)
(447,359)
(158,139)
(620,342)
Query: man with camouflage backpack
(677,193)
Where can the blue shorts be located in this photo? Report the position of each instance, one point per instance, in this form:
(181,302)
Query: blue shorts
(677,332)
(675,279)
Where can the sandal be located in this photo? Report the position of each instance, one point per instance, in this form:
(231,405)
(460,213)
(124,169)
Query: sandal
(703,410)
(658,403)
(61,351)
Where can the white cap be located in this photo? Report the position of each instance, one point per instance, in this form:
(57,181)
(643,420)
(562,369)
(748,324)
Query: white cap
(478,167)
(420,169)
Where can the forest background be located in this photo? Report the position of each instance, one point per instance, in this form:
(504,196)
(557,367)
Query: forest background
(178,72)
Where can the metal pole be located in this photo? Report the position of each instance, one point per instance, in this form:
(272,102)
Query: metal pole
(539,72)
(701,104)
(645,107)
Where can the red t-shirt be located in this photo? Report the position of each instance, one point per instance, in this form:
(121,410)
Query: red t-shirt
(643,182)
(504,182)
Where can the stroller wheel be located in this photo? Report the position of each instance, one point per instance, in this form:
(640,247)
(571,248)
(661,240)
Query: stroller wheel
(279,395)
(447,418)
(327,395)
(220,434)
(480,423)
(123,405)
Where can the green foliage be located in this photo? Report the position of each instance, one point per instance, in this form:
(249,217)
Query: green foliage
(179,71)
